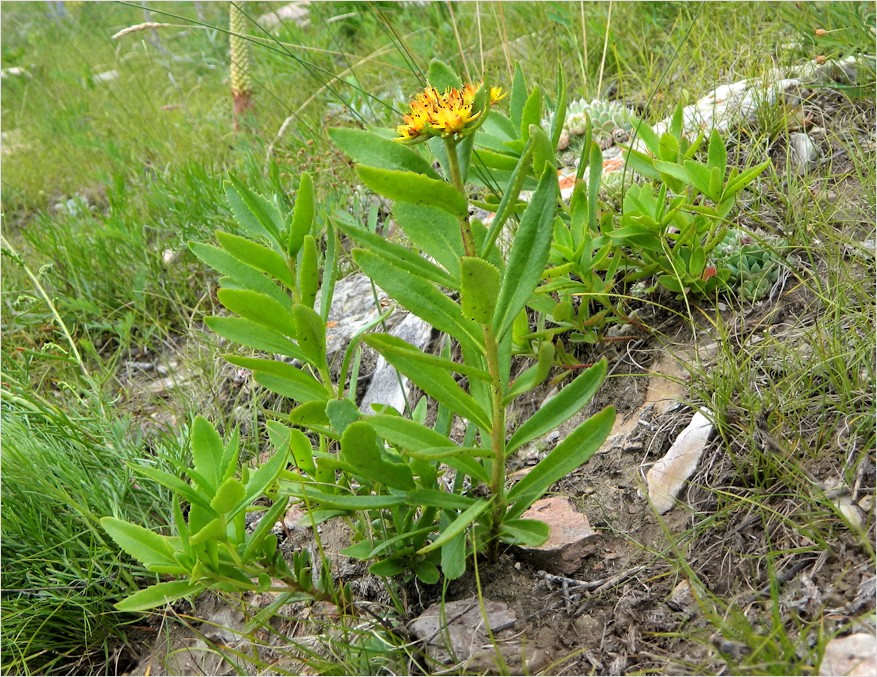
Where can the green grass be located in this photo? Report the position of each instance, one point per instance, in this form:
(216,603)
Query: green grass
(110,175)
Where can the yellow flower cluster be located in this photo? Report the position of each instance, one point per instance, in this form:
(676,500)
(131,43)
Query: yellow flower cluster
(433,113)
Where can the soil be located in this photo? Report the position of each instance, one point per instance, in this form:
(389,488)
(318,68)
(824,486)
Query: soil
(663,577)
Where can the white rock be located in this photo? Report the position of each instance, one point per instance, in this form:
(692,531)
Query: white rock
(106,76)
(803,152)
(384,386)
(296,12)
(666,477)
(854,655)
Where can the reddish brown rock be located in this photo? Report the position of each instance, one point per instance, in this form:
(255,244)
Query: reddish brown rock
(571,537)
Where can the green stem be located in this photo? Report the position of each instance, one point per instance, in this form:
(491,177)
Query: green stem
(497,435)
(457,181)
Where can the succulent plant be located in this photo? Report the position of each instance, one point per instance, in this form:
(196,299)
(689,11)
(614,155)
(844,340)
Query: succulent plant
(754,266)
(607,117)
(613,185)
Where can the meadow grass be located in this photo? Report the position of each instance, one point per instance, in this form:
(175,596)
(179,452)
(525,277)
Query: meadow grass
(113,176)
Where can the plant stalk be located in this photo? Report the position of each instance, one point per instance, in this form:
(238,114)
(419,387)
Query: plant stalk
(457,181)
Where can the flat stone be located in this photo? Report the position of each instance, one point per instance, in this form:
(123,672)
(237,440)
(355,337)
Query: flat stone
(456,634)
(853,655)
(571,537)
(666,477)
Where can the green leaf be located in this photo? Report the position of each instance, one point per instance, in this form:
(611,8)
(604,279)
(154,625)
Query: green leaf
(361,447)
(454,557)
(302,215)
(158,595)
(387,568)
(311,415)
(341,413)
(213,532)
(495,160)
(253,212)
(261,478)
(256,255)
(402,257)
(433,231)
(407,434)
(518,98)
(533,376)
(479,288)
(252,335)
(531,113)
(718,155)
(458,526)
(697,262)
(311,333)
(263,528)
(529,253)
(243,274)
(283,378)
(433,498)
(228,495)
(442,77)
(668,147)
(308,272)
(509,198)
(344,502)
(427,572)
(717,178)
(531,533)
(175,484)
(414,188)
(560,109)
(577,448)
(698,176)
(367,148)
(745,178)
(672,169)
(419,296)
(142,544)
(207,453)
(561,407)
(291,439)
(436,382)
(261,309)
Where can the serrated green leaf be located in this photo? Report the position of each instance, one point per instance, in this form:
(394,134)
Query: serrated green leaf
(142,544)
(436,382)
(261,309)
(407,434)
(402,257)
(207,453)
(175,484)
(534,375)
(308,272)
(252,211)
(311,334)
(158,595)
(509,198)
(529,253)
(543,151)
(518,98)
(531,114)
(717,154)
(561,407)
(229,494)
(253,335)
(433,231)
(414,188)
(419,296)
(256,255)
(479,288)
(367,148)
(577,448)
(442,77)
(244,275)
(302,215)
(259,480)
(292,381)
(698,176)
(213,532)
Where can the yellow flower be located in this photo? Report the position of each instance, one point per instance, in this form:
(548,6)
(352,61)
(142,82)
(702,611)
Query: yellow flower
(496,94)
(434,113)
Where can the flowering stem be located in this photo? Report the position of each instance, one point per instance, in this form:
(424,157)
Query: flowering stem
(497,435)
(457,181)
